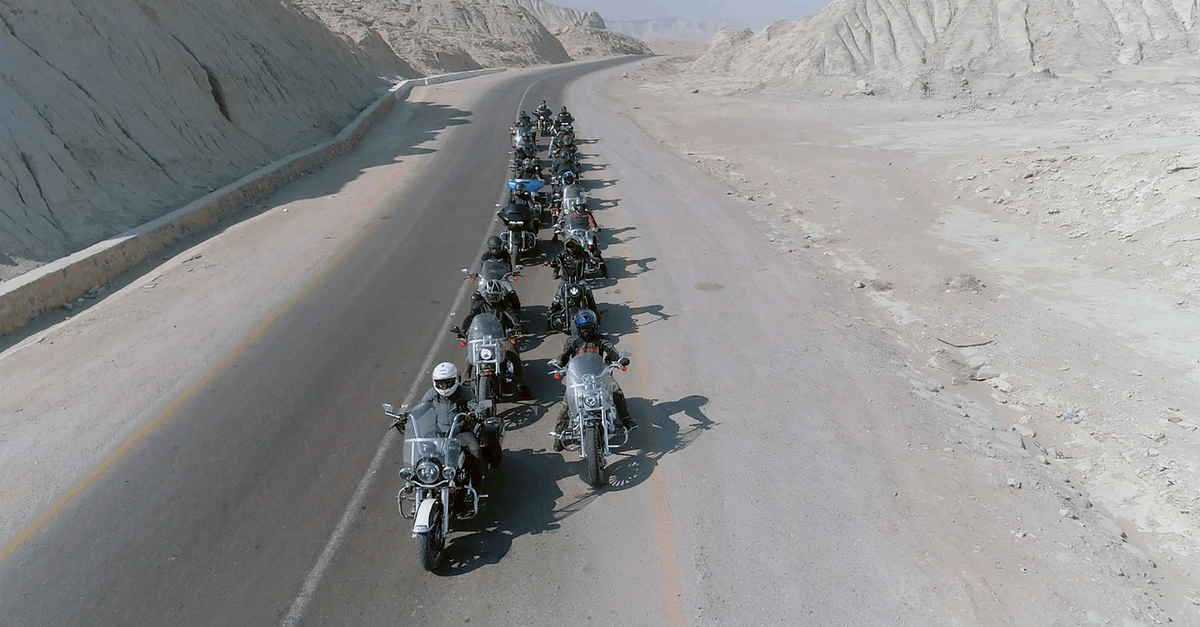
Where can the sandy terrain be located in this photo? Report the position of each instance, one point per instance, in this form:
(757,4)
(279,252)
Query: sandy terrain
(1047,225)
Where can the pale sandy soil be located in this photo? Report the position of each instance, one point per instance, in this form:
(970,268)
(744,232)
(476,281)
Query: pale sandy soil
(1052,220)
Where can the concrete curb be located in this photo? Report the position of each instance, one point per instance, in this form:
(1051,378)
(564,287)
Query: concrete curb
(53,285)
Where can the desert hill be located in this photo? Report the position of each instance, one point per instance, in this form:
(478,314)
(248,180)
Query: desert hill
(118,112)
(438,36)
(122,111)
(911,38)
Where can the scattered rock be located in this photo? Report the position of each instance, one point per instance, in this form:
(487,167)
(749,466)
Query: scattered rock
(984,373)
(1023,431)
(964,283)
(1013,483)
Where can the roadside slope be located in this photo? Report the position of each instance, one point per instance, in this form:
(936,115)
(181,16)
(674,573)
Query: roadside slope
(118,113)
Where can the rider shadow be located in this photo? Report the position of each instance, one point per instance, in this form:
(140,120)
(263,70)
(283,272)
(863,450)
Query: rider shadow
(607,237)
(659,436)
(622,268)
(521,478)
(618,320)
(604,203)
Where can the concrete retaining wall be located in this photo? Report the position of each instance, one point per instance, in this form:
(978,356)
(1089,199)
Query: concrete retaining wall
(57,283)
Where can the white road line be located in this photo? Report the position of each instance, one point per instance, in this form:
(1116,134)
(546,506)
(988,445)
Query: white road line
(296,612)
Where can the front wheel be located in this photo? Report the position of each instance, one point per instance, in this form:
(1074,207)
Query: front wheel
(431,546)
(592,455)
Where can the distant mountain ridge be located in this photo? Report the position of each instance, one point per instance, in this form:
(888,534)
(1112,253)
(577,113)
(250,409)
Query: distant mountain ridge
(855,37)
(672,29)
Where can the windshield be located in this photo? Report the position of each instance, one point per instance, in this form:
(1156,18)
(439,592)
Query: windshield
(493,269)
(588,384)
(423,439)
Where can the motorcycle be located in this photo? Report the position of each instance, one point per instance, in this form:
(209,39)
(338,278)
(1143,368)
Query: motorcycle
(593,415)
(540,194)
(491,350)
(545,125)
(577,225)
(437,486)
(521,224)
(573,296)
(498,270)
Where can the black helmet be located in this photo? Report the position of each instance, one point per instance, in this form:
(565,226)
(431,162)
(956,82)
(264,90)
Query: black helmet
(494,244)
(564,109)
(519,188)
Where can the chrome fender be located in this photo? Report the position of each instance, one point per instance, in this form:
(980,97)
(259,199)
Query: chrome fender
(424,513)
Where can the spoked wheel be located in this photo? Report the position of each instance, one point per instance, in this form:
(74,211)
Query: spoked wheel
(592,458)
(432,546)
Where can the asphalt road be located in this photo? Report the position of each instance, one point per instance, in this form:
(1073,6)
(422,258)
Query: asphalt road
(772,481)
(219,515)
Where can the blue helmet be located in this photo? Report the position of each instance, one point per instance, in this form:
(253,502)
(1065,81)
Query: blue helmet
(568,176)
(585,320)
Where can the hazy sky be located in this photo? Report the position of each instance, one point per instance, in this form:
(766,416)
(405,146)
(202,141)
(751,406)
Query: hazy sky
(753,10)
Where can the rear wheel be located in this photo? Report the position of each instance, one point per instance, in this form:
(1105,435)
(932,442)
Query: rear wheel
(592,457)
(431,546)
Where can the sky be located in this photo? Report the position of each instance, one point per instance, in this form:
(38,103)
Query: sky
(747,10)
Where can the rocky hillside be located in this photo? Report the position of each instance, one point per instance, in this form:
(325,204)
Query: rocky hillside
(582,42)
(438,36)
(556,17)
(118,112)
(910,37)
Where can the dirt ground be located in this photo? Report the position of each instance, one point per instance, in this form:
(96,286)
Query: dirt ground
(1027,241)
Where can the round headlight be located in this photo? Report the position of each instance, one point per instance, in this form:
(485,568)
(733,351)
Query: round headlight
(447,473)
(574,291)
(591,400)
(406,473)
(485,353)
(427,471)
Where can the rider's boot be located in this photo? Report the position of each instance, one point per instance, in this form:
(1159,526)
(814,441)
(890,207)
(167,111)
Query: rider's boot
(560,426)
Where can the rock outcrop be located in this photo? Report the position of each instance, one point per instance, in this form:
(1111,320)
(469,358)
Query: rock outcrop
(439,36)
(856,37)
(120,111)
(582,42)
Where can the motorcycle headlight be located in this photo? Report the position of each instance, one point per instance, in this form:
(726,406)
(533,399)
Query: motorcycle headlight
(447,473)
(517,223)
(591,400)
(406,473)
(427,471)
(574,291)
(485,353)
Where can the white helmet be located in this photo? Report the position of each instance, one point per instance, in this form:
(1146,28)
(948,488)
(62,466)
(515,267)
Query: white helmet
(492,291)
(445,378)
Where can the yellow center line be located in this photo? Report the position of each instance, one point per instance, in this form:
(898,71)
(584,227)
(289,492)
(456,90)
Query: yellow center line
(200,385)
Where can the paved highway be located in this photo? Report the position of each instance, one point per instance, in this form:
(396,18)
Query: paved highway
(771,481)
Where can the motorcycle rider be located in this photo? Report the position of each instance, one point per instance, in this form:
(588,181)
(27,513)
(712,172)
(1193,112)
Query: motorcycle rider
(495,251)
(572,262)
(589,340)
(543,111)
(564,117)
(450,399)
(490,298)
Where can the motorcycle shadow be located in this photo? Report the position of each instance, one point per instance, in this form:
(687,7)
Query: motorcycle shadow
(526,413)
(522,495)
(621,319)
(661,434)
(537,327)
